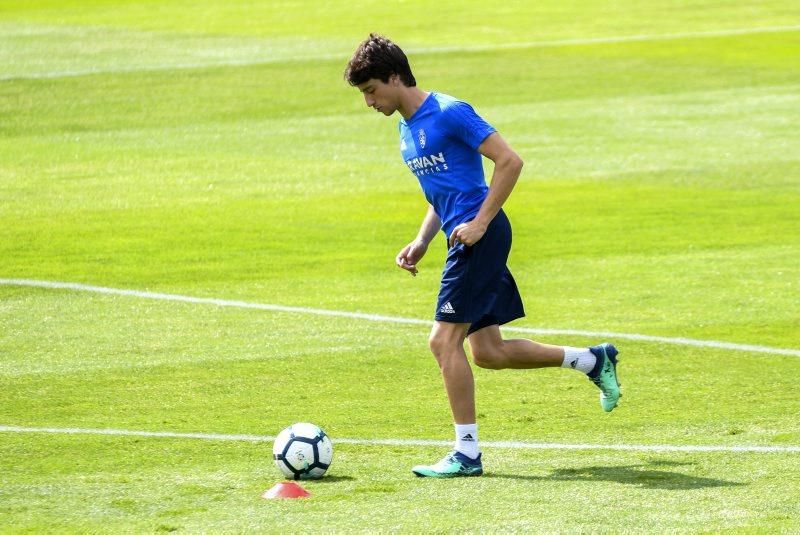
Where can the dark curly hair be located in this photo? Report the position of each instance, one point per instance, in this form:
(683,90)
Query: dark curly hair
(378,57)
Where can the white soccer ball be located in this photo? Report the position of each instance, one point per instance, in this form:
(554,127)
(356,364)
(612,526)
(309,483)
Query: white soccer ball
(303,451)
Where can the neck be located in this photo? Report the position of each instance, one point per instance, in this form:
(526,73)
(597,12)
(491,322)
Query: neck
(410,101)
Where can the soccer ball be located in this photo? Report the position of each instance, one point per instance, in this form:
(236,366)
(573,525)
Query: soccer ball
(302,451)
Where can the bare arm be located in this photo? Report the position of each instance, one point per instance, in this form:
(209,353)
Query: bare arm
(412,253)
(430,226)
(507,167)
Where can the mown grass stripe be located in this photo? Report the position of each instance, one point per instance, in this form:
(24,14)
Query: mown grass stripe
(388,319)
(245,62)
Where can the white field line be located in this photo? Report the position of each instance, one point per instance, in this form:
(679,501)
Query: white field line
(388,319)
(413,51)
(404,442)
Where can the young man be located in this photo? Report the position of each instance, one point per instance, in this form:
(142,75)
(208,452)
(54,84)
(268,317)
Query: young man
(441,141)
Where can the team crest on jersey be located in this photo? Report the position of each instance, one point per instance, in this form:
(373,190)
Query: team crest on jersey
(422,138)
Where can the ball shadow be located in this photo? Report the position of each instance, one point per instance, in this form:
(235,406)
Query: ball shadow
(326,479)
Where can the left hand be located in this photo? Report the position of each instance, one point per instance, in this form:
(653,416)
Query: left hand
(468,233)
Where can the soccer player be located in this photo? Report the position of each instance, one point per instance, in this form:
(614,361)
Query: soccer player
(441,141)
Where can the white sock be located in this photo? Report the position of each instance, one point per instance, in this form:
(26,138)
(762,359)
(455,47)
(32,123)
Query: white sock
(467,440)
(580,359)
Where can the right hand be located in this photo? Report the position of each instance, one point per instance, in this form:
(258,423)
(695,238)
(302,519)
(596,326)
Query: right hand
(410,255)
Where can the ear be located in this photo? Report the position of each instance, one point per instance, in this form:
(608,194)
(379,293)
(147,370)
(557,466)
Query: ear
(394,80)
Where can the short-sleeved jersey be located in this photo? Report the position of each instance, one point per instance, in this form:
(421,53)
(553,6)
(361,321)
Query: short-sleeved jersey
(439,143)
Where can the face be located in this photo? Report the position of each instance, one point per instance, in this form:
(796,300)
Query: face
(383,97)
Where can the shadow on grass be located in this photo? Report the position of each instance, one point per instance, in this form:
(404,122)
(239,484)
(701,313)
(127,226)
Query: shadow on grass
(327,479)
(642,475)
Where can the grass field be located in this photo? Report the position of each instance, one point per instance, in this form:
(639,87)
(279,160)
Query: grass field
(212,150)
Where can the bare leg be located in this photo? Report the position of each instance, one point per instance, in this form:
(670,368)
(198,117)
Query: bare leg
(489,350)
(447,344)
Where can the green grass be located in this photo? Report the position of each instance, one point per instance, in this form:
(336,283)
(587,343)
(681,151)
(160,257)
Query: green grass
(214,151)
(216,487)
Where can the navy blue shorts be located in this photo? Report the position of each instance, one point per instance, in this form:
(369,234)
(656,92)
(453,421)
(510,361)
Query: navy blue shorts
(477,287)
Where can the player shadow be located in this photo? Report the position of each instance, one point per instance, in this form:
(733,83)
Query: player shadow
(640,475)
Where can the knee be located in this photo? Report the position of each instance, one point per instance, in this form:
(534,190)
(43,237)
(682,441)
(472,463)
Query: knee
(439,347)
(446,353)
(488,357)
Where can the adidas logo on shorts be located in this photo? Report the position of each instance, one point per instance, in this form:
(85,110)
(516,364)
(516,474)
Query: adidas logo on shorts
(447,308)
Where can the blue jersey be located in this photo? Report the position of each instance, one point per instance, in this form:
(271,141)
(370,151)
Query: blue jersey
(439,144)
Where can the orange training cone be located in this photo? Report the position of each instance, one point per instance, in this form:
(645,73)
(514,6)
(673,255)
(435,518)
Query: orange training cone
(287,489)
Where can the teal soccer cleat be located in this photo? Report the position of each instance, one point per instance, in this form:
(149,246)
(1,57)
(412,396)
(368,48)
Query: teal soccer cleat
(604,375)
(454,464)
